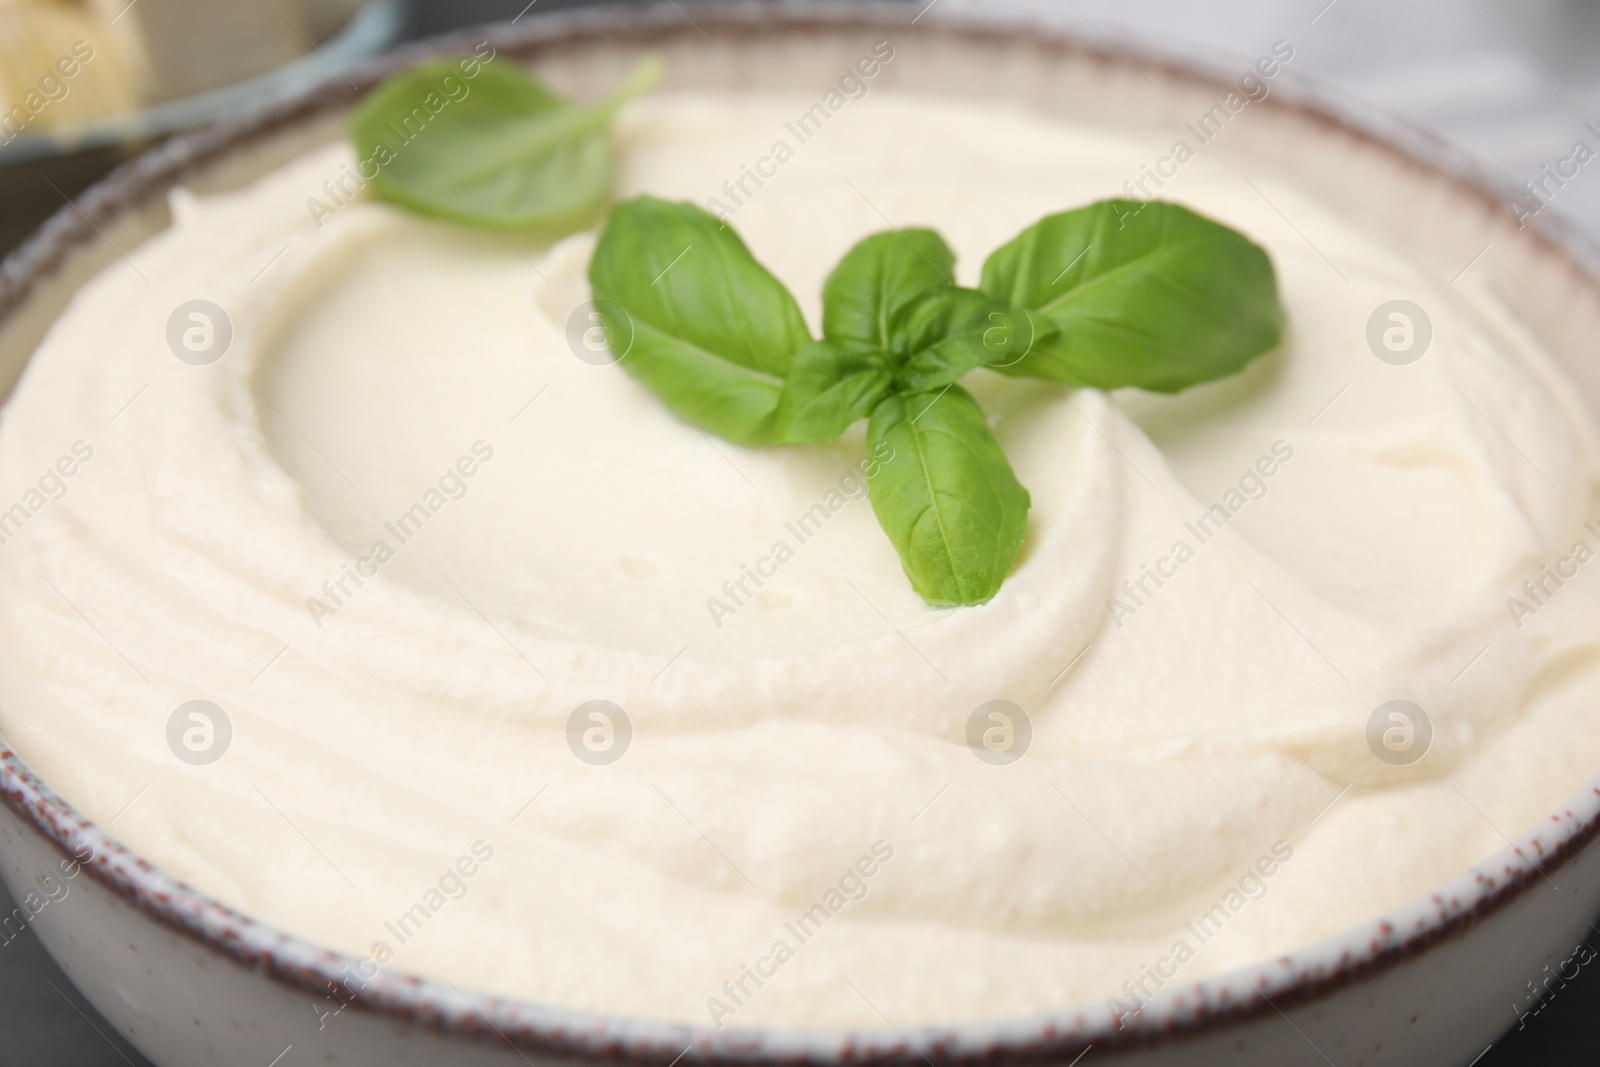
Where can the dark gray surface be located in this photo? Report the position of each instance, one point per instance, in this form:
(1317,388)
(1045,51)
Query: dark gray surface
(1510,80)
(44,1021)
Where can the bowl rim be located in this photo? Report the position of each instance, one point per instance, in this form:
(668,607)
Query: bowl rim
(1197,1007)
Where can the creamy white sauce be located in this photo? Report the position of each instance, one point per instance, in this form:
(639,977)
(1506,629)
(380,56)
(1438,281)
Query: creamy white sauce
(1187,740)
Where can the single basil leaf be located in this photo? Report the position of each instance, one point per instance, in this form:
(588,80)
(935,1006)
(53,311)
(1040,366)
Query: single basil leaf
(713,330)
(947,498)
(1140,294)
(497,149)
(946,332)
(828,388)
(876,279)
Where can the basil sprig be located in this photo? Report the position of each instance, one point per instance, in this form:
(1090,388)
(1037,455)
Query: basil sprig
(493,148)
(1111,295)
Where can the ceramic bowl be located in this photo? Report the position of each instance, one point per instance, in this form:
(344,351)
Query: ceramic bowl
(191,982)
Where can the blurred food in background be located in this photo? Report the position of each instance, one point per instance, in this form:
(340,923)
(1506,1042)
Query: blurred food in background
(52,72)
(68,61)
(85,84)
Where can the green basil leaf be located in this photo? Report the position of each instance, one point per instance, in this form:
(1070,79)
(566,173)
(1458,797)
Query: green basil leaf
(497,149)
(1140,294)
(876,279)
(713,330)
(945,333)
(947,498)
(829,387)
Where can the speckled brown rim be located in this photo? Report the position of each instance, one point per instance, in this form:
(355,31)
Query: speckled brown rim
(1292,979)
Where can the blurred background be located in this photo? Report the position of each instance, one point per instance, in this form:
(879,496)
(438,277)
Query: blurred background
(87,84)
